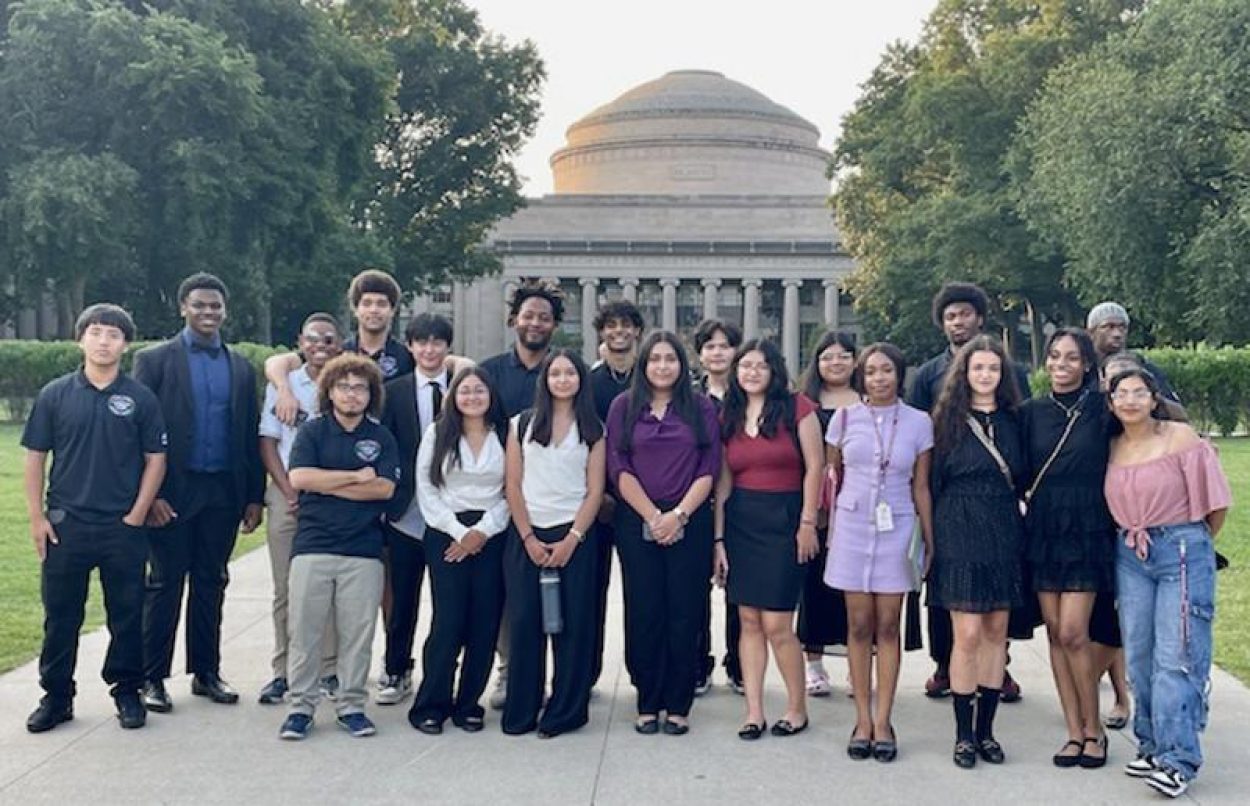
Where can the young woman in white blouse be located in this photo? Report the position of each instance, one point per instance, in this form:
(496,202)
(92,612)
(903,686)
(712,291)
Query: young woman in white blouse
(460,473)
(554,485)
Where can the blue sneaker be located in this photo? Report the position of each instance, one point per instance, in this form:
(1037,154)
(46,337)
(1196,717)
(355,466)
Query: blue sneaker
(274,692)
(296,727)
(330,687)
(357,724)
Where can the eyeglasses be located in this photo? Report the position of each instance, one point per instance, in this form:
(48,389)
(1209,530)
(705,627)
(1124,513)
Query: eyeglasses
(345,388)
(745,366)
(1126,395)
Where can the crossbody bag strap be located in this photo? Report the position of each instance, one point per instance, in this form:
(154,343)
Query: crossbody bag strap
(979,432)
(1063,440)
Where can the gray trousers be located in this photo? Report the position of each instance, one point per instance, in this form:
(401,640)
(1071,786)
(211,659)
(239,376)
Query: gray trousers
(280,527)
(346,591)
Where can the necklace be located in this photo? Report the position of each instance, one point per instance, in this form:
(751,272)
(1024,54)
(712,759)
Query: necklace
(1075,409)
(619,377)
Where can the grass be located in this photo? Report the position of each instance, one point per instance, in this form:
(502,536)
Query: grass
(21,616)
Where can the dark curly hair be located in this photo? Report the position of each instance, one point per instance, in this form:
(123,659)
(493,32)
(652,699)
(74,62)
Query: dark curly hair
(373,281)
(547,291)
(952,293)
(336,369)
(621,309)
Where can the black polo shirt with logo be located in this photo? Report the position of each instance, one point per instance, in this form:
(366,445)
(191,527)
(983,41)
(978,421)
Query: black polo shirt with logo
(99,439)
(329,524)
(514,382)
(393,359)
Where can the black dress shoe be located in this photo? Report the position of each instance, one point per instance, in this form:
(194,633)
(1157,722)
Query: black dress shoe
(785,728)
(156,698)
(752,731)
(214,688)
(859,749)
(672,728)
(990,750)
(886,750)
(965,755)
(647,727)
(49,714)
(429,725)
(469,724)
(130,711)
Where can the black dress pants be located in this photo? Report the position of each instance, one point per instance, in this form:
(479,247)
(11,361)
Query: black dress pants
(119,552)
(941,636)
(665,602)
(193,550)
(602,536)
(468,605)
(733,631)
(407,571)
(568,708)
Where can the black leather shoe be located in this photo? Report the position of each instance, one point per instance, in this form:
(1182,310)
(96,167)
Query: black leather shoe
(965,755)
(130,711)
(752,731)
(469,724)
(859,749)
(990,750)
(49,714)
(428,725)
(1088,761)
(214,688)
(886,750)
(156,698)
(647,726)
(672,728)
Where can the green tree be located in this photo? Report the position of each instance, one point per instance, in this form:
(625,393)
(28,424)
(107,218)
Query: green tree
(923,191)
(1136,160)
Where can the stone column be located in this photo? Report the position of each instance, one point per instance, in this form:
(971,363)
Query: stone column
(490,315)
(711,297)
(832,289)
(629,288)
(506,333)
(590,304)
(790,323)
(460,317)
(668,308)
(751,308)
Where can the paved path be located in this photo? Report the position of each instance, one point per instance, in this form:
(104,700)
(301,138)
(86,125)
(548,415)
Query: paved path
(205,753)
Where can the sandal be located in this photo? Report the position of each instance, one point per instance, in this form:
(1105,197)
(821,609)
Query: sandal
(1114,721)
(751,731)
(1063,761)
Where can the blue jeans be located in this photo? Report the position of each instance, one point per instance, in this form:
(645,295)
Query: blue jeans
(1167,604)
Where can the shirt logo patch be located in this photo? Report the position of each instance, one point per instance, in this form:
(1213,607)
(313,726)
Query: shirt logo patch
(388,365)
(368,450)
(121,405)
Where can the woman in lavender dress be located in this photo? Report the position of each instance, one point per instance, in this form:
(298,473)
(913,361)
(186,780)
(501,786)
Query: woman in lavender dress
(883,449)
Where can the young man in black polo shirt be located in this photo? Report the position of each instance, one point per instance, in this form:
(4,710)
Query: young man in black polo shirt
(345,465)
(534,313)
(959,309)
(107,438)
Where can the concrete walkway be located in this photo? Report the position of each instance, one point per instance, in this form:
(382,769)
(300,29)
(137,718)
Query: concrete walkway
(205,753)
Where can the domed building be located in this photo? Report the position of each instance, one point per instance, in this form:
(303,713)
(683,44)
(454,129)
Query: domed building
(692,195)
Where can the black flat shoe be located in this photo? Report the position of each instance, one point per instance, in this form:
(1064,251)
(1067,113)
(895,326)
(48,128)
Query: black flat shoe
(751,731)
(1064,762)
(647,727)
(785,728)
(672,728)
(156,698)
(887,750)
(990,750)
(965,754)
(469,724)
(214,688)
(49,714)
(1089,762)
(859,749)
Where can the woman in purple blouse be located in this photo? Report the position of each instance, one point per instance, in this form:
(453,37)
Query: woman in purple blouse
(663,453)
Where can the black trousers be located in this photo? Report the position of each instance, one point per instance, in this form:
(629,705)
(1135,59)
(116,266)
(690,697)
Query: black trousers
(733,631)
(468,605)
(569,706)
(406,556)
(665,603)
(603,536)
(193,550)
(119,552)
(941,636)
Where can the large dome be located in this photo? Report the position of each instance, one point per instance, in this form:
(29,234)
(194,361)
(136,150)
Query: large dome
(692,132)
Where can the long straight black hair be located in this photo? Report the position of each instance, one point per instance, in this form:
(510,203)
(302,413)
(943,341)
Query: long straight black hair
(685,400)
(778,400)
(449,425)
(811,383)
(589,429)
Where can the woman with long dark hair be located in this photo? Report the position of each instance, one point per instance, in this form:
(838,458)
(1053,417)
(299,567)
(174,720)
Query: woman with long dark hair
(883,448)
(978,534)
(822,610)
(460,474)
(1169,498)
(663,454)
(765,525)
(554,484)
(1070,545)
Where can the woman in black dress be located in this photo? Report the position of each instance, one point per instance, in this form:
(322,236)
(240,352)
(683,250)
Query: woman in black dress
(978,534)
(822,610)
(1070,547)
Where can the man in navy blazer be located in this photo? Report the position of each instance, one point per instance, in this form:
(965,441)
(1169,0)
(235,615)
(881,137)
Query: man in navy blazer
(214,482)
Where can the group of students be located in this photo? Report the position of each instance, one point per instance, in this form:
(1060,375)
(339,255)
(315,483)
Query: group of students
(511,481)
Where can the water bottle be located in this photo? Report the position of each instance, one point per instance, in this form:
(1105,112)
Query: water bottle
(549,590)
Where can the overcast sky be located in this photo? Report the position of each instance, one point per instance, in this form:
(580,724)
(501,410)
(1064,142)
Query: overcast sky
(808,55)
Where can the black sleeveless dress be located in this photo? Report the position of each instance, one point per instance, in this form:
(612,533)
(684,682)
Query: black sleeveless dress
(822,609)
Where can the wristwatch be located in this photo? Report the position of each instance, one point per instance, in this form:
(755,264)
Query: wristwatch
(681,515)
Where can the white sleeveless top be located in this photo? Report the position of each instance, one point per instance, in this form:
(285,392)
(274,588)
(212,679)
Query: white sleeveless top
(554,477)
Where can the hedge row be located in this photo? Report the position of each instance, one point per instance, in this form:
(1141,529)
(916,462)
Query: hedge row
(1213,384)
(25,366)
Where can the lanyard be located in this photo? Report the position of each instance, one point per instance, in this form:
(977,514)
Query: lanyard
(885,451)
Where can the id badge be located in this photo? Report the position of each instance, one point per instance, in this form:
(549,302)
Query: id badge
(885,517)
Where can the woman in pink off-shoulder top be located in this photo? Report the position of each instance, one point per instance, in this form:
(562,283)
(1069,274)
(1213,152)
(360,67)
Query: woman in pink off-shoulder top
(1169,497)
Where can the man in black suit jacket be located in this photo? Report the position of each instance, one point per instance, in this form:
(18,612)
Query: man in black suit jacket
(214,480)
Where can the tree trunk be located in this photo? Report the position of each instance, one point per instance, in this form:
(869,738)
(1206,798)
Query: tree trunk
(1036,336)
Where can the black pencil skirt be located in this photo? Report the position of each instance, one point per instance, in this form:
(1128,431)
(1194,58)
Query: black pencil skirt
(764,569)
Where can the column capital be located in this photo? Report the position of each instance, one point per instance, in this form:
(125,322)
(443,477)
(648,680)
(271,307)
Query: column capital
(792,282)
(669,282)
(588,282)
(752,282)
(711,282)
(831,282)
(629,281)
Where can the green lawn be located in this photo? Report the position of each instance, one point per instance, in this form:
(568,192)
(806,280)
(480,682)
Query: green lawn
(21,617)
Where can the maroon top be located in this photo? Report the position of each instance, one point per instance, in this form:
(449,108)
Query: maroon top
(769,465)
(664,455)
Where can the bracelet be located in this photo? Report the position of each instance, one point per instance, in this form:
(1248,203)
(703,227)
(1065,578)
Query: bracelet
(581,537)
(808,520)
(720,539)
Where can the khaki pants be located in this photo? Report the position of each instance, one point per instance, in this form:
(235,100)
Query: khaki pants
(280,536)
(346,591)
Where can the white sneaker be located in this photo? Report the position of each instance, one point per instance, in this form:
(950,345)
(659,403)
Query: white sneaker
(818,684)
(1168,782)
(500,695)
(1140,767)
(396,690)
